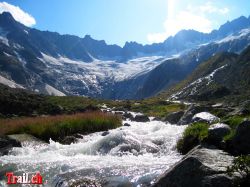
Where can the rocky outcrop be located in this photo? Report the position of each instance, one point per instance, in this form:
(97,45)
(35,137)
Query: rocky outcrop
(7,143)
(190,112)
(174,117)
(141,118)
(200,167)
(240,144)
(216,132)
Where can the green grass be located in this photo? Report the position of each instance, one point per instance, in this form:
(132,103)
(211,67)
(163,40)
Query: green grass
(233,122)
(156,107)
(60,126)
(192,136)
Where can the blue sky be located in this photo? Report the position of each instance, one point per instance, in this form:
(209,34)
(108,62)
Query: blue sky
(118,21)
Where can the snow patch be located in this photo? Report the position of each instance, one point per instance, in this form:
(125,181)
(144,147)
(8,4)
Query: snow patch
(194,85)
(7,54)
(4,40)
(233,37)
(52,91)
(9,83)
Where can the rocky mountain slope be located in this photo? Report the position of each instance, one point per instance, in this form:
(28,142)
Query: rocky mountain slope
(223,75)
(50,63)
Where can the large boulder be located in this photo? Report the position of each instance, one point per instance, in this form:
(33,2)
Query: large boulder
(241,140)
(205,117)
(174,117)
(141,118)
(200,167)
(6,144)
(216,132)
(190,112)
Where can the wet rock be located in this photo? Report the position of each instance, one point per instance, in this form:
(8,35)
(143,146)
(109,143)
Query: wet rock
(141,118)
(216,132)
(128,115)
(78,136)
(205,117)
(119,181)
(119,112)
(126,125)
(156,119)
(26,139)
(6,144)
(69,140)
(174,117)
(190,112)
(105,133)
(200,167)
(86,182)
(241,140)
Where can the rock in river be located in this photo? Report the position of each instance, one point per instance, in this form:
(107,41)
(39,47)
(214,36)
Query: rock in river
(141,118)
(174,117)
(200,167)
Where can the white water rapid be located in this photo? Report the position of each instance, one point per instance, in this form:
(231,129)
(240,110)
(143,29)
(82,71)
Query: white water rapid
(134,154)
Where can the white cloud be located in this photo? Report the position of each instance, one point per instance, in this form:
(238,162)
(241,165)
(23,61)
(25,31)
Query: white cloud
(18,14)
(192,17)
(210,8)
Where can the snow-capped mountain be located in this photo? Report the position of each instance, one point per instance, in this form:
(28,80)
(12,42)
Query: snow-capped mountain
(50,63)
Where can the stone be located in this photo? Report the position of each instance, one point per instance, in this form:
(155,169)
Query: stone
(205,117)
(241,140)
(128,115)
(141,118)
(174,117)
(200,167)
(190,112)
(126,125)
(6,144)
(216,132)
(105,133)
(69,140)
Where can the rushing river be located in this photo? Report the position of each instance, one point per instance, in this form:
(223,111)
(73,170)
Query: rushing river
(134,154)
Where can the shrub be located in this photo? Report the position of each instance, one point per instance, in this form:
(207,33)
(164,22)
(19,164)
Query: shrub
(192,136)
(57,127)
(242,165)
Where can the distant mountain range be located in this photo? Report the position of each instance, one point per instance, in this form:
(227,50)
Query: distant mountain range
(50,63)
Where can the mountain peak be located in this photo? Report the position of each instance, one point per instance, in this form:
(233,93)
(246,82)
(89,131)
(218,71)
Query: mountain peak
(7,15)
(7,20)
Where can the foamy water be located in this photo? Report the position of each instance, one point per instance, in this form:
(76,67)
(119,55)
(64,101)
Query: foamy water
(136,154)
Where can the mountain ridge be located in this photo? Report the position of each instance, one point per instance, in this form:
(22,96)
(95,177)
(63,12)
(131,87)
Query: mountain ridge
(50,63)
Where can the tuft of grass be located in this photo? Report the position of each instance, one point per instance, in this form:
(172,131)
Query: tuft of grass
(233,122)
(57,127)
(192,136)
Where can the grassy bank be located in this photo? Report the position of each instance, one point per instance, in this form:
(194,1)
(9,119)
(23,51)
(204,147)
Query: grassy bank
(192,136)
(57,127)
